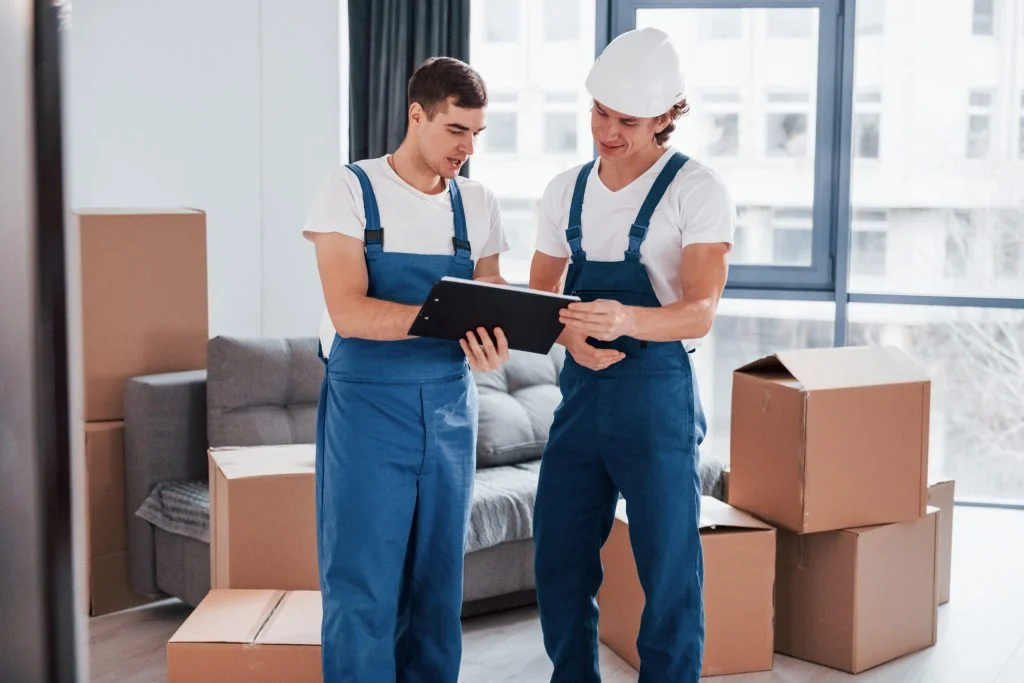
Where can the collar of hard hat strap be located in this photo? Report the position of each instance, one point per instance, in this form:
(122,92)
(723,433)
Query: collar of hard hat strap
(638,231)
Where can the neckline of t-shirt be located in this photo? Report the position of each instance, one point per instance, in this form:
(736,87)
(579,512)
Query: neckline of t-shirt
(440,197)
(654,169)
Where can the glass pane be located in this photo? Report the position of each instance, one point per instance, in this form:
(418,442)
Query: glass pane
(866,129)
(949,175)
(790,23)
(787,134)
(560,132)
(502,18)
(546,128)
(870,17)
(984,18)
(975,358)
(561,20)
(752,115)
(977,136)
(501,133)
(746,330)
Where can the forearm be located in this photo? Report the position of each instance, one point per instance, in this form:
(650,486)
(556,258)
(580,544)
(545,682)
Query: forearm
(362,317)
(675,322)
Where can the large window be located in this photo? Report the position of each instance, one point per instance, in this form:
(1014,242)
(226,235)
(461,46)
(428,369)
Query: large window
(875,205)
(538,121)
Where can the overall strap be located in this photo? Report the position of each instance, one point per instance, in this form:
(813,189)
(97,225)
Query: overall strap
(574,233)
(461,239)
(638,231)
(373,234)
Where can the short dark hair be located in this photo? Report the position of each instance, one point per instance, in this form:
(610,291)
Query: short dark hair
(679,109)
(439,78)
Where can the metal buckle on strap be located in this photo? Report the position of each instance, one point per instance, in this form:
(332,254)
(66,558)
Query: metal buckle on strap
(573,232)
(460,244)
(375,236)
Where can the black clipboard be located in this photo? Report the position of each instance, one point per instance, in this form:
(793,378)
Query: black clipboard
(528,318)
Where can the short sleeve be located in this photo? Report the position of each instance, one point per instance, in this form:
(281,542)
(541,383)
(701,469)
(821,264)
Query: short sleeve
(708,212)
(496,242)
(336,206)
(550,228)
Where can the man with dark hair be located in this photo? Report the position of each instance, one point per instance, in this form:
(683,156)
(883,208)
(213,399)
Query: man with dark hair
(397,419)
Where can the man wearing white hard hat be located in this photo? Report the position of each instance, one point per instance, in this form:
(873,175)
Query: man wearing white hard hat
(645,233)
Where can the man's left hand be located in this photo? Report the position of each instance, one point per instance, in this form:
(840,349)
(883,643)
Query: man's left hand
(483,353)
(602,319)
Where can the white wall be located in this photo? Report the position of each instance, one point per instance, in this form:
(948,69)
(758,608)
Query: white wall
(231,106)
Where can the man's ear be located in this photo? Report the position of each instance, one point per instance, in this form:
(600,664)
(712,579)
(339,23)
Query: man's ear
(661,123)
(416,113)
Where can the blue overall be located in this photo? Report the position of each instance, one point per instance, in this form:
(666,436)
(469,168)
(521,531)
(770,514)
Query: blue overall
(633,428)
(396,440)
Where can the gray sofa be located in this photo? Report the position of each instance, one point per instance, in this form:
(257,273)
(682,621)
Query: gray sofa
(264,392)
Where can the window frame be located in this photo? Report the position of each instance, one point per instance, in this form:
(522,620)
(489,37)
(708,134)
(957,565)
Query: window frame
(825,104)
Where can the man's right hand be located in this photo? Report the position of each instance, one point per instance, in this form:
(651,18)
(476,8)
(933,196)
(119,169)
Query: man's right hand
(586,355)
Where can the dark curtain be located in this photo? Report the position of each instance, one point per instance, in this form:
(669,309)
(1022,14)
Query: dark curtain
(388,39)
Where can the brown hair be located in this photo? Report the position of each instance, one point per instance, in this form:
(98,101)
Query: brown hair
(439,78)
(679,109)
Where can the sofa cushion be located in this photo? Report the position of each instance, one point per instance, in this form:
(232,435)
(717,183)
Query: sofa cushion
(503,500)
(517,404)
(262,392)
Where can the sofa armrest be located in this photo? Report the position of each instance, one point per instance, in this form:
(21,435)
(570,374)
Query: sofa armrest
(165,440)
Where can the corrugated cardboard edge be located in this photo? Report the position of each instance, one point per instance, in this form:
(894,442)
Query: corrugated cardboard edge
(219,537)
(935,574)
(925,427)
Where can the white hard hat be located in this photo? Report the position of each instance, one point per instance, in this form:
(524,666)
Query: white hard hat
(638,74)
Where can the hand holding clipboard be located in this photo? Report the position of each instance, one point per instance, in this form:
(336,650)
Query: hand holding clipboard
(529,318)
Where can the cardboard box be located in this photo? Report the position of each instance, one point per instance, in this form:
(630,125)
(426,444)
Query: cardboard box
(256,636)
(739,579)
(106,527)
(857,598)
(828,439)
(109,588)
(104,472)
(143,299)
(263,518)
(940,495)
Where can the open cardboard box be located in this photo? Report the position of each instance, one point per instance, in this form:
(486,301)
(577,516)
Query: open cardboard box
(739,579)
(828,439)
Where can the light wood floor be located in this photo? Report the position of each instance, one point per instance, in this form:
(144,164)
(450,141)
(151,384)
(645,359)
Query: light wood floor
(981,630)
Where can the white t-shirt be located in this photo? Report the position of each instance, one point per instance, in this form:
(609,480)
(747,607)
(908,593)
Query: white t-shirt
(413,222)
(696,209)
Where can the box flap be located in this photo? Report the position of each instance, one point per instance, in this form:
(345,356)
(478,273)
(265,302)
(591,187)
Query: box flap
(228,616)
(296,621)
(764,364)
(262,461)
(842,367)
(714,514)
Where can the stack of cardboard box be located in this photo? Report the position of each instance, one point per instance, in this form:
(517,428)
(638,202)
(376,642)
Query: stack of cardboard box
(261,620)
(143,309)
(830,447)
